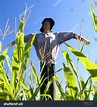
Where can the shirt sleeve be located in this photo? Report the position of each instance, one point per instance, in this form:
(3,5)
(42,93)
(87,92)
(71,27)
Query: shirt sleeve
(64,36)
(27,37)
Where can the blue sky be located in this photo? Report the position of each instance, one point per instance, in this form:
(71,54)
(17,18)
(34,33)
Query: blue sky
(68,16)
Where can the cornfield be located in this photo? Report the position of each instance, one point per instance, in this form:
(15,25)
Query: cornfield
(16,88)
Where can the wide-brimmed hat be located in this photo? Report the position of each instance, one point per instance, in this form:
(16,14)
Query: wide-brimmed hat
(49,20)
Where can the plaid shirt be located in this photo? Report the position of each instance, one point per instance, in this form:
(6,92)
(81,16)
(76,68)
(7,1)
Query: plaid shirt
(47,45)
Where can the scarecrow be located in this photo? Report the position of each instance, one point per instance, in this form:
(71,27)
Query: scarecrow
(47,46)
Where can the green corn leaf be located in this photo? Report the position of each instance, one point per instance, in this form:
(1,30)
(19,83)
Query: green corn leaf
(35,75)
(26,88)
(89,65)
(1,82)
(46,95)
(85,84)
(3,75)
(29,44)
(89,89)
(38,88)
(15,67)
(1,89)
(3,96)
(95,91)
(81,51)
(31,91)
(95,97)
(82,83)
(85,91)
(57,94)
(6,82)
(82,48)
(54,78)
(9,63)
(27,49)
(69,62)
(23,85)
(15,62)
(2,57)
(94,17)
(70,81)
(61,90)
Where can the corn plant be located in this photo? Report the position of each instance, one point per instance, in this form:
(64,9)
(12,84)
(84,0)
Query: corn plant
(13,87)
(76,88)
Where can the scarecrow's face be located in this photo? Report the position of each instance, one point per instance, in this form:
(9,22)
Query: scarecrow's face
(46,25)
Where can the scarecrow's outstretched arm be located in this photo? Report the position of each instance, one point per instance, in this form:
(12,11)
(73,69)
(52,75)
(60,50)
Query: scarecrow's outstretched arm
(26,39)
(80,38)
(65,36)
